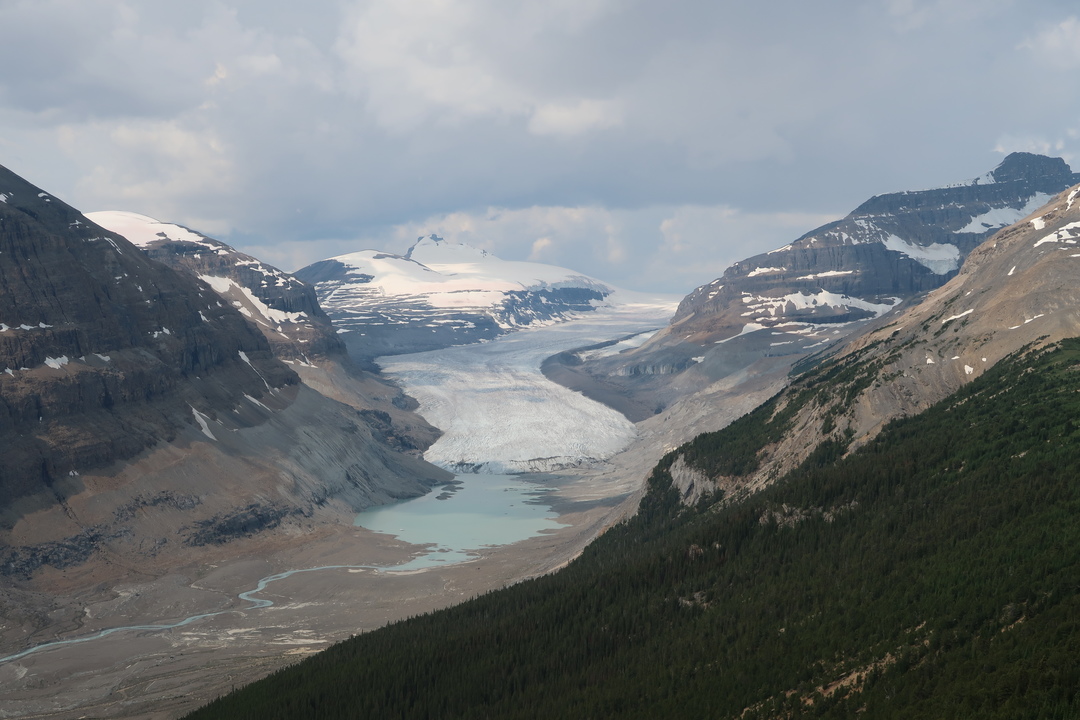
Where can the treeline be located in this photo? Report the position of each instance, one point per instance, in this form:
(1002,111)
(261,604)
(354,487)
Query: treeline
(935,573)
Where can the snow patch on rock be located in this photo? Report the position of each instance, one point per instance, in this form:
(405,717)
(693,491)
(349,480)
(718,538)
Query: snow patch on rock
(201,420)
(1003,217)
(936,257)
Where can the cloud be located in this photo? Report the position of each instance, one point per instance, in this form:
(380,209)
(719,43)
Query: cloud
(157,165)
(1058,45)
(574,119)
(456,59)
(643,142)
(655,248)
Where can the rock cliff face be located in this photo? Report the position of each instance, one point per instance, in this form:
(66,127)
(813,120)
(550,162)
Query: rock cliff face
(769,310)
(889,248)
(287,313)
(110,361)
(99,347)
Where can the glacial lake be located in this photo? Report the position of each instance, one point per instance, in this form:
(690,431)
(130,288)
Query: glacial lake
(458,520)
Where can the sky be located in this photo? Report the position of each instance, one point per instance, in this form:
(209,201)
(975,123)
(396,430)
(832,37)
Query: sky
(649,144)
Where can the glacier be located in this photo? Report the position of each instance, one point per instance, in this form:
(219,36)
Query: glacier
(497,411)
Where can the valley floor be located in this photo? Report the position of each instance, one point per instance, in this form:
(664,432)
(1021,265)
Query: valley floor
(164,674)
(497,410)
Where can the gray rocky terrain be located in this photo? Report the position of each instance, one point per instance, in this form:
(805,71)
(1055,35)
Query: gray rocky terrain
(286,311)
(768,312)
(143,420)
(1018,291)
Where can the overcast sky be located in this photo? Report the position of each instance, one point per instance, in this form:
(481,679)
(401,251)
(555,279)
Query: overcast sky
(646,143)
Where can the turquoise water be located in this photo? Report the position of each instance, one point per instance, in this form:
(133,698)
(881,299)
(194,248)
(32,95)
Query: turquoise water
(484,511)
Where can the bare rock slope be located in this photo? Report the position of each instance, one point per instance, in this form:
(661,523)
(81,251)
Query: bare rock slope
(1018,290)
(142,417)
(768,311)
(287,313)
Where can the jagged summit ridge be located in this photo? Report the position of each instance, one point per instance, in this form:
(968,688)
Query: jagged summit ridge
(890,248)
(1027,167)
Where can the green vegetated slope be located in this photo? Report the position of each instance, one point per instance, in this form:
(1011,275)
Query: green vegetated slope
(935,573)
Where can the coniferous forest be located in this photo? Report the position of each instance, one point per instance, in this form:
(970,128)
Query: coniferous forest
(934,573)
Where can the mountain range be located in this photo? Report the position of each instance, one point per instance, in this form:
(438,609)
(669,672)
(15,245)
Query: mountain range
(739,335)
(889,536)
(861,448)
(144,417)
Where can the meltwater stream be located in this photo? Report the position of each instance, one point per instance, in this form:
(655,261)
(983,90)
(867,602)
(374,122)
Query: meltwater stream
(497,411)
(474,512)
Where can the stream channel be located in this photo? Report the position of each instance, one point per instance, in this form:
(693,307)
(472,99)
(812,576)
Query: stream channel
(498,412)
(474,512)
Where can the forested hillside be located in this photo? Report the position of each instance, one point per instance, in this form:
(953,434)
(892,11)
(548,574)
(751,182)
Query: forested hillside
(933,573)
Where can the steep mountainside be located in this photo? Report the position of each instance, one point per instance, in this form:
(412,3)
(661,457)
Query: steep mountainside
(768,311)
(287,312)
(283,308)
(141,416)
(1018,289)
(931,574)
(442,293)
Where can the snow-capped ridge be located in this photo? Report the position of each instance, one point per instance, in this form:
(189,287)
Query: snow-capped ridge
(143,230)
(444,293)
(283,308)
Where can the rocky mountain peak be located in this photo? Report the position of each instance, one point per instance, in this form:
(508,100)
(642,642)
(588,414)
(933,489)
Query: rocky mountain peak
(1018,290)
(143,417)
(101,348)
(1029,166)
(891,248)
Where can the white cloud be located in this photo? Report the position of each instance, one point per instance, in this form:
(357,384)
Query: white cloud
(421,59)
(556,119)
(159,166)
(539,248)
(1058,45)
